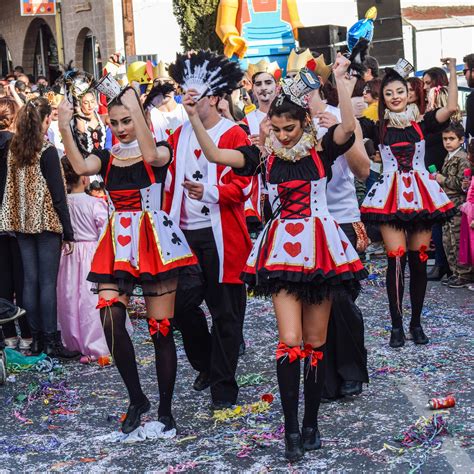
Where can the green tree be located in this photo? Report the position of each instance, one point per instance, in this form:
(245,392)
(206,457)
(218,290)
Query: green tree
(197,20)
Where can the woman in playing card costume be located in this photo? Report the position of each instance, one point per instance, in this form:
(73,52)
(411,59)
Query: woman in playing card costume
(139,245)
(406,200)
(302,256)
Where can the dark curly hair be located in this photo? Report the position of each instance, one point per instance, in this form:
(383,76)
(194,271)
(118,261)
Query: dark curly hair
(72,178)
(29,137)
(289,109)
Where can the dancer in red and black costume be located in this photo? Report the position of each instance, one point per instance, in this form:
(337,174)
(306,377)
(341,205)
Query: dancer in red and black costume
(140,245)
(406,200)
(302,256)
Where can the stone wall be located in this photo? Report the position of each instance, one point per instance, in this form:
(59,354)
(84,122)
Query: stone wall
(79,17)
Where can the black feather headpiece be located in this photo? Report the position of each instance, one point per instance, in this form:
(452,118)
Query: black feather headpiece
(209,73)
(357,56)
(157,94)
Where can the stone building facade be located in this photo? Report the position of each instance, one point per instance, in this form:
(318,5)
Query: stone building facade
(88,35)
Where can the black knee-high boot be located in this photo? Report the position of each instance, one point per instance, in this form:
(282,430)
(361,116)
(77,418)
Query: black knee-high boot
(395,282)
(113,316)
(314,373)
(418,280)
(288,375)
(166,365)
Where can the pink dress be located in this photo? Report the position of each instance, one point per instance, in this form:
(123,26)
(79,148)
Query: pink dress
(466,239)
(77,314)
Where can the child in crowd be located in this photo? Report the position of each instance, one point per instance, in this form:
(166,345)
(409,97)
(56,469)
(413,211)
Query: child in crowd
(77,314)
(450,178)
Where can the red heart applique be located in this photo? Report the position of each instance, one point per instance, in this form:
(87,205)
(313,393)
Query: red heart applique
(294,229)
(306,259)
(124,240)
(408,196)
(168,131)
(197,153)
(292,249)
(125,221)
(406,181)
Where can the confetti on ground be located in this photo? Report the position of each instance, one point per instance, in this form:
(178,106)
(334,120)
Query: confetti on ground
(53,420)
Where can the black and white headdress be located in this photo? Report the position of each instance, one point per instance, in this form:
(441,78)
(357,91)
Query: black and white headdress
(209,73)
(298,88)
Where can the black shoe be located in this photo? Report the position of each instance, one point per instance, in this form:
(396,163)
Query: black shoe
(326,399)
(242,348)
(447,280)
(311,438)
(293,447)
(168,421)
(437,272)
(419,337)
(397,338)
(36,347)
(350,388)
(53,347)
(202,381)
(133,417)
(221,405)
(458,283)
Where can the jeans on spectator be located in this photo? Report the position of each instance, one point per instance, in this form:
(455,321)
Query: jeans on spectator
(40,254)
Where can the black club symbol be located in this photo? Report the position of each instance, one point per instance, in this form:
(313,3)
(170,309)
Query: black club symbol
(167,222)
(372,193)
(198,175)
(175,240)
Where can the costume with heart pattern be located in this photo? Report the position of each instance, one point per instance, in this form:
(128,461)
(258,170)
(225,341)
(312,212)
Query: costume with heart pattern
(302,248)
(140,243)
(406,194)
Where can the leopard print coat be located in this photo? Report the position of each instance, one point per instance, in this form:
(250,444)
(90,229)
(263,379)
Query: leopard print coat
(27,205)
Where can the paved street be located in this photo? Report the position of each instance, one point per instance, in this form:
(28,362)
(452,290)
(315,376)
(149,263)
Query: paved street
(359,435)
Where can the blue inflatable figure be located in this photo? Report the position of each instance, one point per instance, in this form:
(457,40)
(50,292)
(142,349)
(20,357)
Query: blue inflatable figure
(362,29)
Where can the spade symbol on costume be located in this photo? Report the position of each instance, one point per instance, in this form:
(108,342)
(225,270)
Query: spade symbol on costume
(198,175)
(372,193)
(167,222)
(175,240)
(205,210)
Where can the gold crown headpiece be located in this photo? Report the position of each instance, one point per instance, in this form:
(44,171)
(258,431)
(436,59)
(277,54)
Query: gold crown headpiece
(160,71)
(264,66)
(297,61)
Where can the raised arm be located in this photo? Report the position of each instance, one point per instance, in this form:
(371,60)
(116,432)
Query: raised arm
(443,114)
(347,126)
(83,167)
(153,155)
(233,158)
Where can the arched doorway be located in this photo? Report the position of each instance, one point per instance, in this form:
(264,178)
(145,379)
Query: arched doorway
(88,52)
(5,58)
(40,52)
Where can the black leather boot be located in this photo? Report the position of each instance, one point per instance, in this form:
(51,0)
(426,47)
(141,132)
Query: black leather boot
(168,421)
(293,447)
(311,438)
(418,335)
(133,417)
(202,381)
(397,338)
(351,388)
(36,347)
(53,347)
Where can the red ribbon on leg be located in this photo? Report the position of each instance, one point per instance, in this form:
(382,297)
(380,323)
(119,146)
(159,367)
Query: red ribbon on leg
(292,352)
(103,303)
(162,326)
(400,252)
(315,356)
(423,254)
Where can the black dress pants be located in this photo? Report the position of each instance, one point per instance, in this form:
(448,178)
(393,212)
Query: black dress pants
(216,351)
(346,356)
